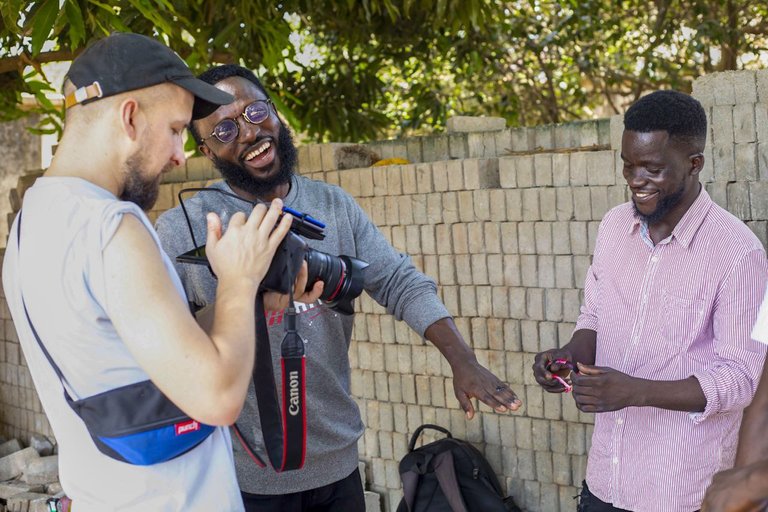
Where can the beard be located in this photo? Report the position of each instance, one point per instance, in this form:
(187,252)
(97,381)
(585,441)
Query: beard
(238,176)
(662,208)
(139,189)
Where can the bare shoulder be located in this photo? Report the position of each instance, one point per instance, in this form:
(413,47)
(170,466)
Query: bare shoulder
(131,245)
(130,229)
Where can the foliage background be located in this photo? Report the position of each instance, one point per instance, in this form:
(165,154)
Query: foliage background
(350,70)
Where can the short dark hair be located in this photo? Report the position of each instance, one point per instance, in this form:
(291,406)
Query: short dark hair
(678,114)
(215,75)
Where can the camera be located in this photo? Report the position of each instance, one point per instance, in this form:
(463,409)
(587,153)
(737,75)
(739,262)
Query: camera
(342,275)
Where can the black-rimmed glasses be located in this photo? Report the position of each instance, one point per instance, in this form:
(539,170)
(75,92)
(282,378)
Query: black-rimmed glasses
(227,130)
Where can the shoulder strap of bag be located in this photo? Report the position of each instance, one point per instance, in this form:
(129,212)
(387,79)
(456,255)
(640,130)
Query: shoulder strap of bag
(442,466)
(53,364)
(446,477)
(422,428)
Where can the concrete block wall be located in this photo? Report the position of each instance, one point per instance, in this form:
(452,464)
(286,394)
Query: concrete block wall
(506,222)
(21,413)
(22,152)
(509,241)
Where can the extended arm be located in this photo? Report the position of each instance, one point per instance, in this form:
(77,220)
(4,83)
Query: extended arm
(205,376)
(470,378)
(409,295)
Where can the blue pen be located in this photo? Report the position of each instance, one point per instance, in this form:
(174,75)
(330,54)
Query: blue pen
(303,216)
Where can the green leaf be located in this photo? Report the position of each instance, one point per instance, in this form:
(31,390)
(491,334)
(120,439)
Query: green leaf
(75,22)
(42,24)
(10,9)
(159,18)
(285,111)
(102,5)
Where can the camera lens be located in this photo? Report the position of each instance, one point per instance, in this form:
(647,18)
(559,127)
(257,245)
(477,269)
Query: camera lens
(342,275)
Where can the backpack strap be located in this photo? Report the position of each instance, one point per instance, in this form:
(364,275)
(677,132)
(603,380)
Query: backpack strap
(415,437)
(445,471)
(446,477)
(410,481)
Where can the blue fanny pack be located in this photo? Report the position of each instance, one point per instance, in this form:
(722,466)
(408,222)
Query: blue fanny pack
(136,423)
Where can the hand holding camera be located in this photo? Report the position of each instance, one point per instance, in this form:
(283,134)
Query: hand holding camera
(276,301)
(246,250)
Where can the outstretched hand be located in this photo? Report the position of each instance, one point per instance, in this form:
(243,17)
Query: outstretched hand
(472,380)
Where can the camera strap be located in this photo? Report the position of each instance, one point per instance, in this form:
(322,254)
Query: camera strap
(284,430)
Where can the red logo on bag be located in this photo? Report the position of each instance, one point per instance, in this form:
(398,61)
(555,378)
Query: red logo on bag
(187,427)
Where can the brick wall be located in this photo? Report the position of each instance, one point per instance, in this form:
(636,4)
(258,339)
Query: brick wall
(505,220)
(21,152)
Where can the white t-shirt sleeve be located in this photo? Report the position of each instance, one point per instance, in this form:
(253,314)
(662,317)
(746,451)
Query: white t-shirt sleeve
(760,330)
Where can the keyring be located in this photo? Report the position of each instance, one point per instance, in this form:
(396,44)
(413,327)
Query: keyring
(568,387)
(565,365)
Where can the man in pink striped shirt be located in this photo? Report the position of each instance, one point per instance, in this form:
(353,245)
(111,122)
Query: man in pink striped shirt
(662,347)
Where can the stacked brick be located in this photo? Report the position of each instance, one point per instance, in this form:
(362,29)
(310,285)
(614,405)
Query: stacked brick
(21,413)
(737,147)
(505,220)
(21,152)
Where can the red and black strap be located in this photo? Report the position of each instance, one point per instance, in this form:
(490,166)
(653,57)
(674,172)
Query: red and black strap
(284,431)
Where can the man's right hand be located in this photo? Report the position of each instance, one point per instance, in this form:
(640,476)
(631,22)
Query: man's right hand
(544,362)
(245,251)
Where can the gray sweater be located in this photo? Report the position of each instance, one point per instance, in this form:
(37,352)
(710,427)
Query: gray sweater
(333,419)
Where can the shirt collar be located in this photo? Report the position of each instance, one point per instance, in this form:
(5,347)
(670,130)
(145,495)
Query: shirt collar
(689,224)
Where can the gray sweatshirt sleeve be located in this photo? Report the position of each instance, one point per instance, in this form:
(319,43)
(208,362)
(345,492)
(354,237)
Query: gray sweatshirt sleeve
(392,280)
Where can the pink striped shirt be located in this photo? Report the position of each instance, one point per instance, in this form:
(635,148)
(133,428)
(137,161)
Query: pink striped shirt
(684,307)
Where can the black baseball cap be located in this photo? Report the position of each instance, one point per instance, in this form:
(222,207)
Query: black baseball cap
(124,62)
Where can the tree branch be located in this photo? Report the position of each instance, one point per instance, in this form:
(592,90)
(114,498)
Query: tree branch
(19,62)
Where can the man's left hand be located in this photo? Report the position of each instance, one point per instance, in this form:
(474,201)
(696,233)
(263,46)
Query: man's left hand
(274,301)
(472,380)
(742,489)
(603,389)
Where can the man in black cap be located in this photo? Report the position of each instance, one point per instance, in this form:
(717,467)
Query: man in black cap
(103,299)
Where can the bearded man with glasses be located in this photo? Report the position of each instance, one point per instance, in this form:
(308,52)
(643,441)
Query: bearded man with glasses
(255,154)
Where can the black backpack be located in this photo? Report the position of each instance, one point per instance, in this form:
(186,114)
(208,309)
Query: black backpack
(449,475)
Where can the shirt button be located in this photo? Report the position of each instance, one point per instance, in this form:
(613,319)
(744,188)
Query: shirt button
(615,460)
(655,259)
(620,421)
